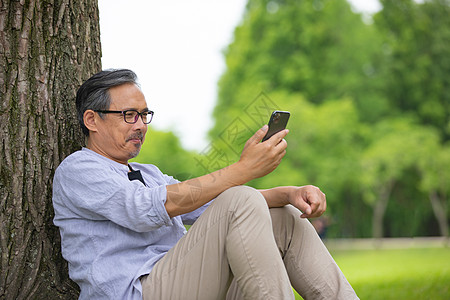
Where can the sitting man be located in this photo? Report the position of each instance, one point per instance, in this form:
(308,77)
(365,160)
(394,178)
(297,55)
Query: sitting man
(122,227)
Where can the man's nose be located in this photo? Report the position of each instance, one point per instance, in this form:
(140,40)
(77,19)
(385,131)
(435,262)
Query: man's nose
(139,124)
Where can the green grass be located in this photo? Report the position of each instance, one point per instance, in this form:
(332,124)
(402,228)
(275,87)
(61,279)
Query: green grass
(397,274)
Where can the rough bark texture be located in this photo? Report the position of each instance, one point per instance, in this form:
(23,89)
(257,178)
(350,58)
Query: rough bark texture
(47,48)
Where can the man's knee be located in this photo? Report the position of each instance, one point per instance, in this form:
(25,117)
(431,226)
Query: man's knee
(289,216)
(242,189)
(244,198)
(287,224)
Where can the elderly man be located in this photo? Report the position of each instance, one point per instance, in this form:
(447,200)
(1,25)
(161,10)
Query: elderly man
(122,227)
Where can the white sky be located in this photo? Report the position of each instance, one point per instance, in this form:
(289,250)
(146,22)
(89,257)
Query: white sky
(175,47)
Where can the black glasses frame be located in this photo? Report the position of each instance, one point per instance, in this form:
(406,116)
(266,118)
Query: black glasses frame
(124,112)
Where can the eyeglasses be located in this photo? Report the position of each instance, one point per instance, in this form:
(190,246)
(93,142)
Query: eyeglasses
(131,116)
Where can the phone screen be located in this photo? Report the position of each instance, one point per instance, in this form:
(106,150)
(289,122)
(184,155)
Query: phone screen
(278,121)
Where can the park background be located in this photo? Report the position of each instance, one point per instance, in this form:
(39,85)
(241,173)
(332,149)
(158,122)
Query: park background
(369,98)
(370,110)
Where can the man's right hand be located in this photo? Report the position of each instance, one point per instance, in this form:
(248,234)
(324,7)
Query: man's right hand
(259,159)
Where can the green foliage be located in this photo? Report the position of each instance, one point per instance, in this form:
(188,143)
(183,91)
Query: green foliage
(417,43)
(320,49)
(369,105)
(362,99)
(394,151)
(434,167)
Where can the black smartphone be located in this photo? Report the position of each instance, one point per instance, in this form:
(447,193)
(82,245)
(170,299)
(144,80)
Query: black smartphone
(278,121)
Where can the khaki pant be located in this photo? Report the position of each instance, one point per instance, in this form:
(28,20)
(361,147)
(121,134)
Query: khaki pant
(240,247)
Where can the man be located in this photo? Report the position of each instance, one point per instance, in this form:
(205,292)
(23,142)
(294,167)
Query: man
(122,223)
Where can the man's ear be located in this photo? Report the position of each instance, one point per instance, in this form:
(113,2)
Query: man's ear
(90,120)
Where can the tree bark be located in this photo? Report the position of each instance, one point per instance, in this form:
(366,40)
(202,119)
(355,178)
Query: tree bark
(47,49)
(440,211)
(380,209)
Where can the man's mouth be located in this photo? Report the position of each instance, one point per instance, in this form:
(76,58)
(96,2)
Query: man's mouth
(135,138)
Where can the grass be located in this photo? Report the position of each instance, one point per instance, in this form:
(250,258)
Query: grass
(397,273)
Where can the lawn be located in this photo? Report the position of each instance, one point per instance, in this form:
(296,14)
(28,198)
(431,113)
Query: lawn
(397,274)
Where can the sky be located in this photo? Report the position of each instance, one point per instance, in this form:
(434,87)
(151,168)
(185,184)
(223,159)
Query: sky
(176,49)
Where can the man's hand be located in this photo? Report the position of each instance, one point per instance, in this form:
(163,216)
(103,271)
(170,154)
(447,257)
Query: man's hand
(259,159)
(309,199)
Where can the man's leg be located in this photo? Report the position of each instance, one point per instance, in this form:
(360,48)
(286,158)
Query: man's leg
(312,271)
(233,237)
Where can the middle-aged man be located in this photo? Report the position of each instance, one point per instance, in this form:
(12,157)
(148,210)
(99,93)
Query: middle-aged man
(121,223)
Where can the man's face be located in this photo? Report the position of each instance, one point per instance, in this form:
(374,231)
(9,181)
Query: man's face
(116,139)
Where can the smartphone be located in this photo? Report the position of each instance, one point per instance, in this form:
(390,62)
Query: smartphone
(278,121)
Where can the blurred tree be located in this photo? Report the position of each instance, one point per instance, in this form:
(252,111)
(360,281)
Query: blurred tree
(318,48)
(435,170)
(341,78)
(417,59)
(315,50)
(394,152)
(416,65)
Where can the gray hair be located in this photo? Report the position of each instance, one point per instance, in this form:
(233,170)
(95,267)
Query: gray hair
(94,92)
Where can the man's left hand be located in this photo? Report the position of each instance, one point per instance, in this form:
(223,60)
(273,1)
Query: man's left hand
(309,199)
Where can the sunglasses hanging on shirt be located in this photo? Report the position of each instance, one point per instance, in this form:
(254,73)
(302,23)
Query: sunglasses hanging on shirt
(135,175)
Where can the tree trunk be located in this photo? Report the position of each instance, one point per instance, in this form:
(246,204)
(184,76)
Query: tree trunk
(380,209)
(440,211)
(47,49)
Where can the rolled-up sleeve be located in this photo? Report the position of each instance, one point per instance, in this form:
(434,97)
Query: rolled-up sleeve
(91,191)
(191,217)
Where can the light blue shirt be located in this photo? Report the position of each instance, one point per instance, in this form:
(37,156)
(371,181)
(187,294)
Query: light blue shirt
(113,230)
